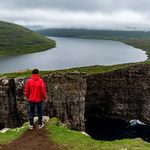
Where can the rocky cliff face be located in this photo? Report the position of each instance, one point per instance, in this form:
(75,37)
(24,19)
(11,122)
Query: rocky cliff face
(121,94)
(74,97)
(66,98)
(9,116)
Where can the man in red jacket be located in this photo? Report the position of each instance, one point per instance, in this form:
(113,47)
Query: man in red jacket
(35,93)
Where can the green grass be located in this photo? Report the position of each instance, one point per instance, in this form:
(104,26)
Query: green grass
(87,70)
(12,134)
(17,40)
(74,140)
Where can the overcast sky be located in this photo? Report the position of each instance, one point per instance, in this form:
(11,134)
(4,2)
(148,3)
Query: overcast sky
(89,14)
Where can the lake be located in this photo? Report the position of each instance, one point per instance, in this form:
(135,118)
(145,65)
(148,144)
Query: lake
(73,52)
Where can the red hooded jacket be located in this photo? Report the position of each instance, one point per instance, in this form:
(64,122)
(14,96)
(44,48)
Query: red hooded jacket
(35,89)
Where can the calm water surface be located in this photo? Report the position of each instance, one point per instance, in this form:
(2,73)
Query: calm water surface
(72,52)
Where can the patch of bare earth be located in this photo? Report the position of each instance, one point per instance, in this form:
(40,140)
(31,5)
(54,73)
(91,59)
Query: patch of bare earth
(36,139)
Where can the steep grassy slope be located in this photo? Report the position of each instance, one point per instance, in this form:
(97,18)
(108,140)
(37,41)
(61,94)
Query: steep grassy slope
(15,39)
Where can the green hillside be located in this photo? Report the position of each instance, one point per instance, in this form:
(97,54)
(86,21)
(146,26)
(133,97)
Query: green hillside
(97,34)
(15,39)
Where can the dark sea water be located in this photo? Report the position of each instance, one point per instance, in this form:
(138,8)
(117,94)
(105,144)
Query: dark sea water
(110,129)
(73,52)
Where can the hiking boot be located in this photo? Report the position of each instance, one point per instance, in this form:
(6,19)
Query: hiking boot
(40,126)
(30,127)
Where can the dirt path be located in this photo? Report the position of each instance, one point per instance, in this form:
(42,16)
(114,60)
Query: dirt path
(32,140)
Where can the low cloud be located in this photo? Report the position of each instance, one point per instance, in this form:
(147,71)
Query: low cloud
(95,14)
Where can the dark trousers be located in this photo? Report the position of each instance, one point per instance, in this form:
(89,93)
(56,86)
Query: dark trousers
(39,107)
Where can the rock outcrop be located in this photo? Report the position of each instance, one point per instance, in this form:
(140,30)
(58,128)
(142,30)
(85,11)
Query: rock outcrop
(66,98)
(9,116)
(123,94)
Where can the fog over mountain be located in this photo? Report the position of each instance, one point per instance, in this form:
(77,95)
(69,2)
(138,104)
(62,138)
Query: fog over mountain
(89,14)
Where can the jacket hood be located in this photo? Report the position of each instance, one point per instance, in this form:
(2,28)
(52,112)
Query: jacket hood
(35,77)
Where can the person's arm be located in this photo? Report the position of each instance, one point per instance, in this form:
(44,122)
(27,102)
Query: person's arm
(27,90)
(43,91)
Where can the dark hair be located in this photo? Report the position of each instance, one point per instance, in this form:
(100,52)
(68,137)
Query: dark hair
(35,71)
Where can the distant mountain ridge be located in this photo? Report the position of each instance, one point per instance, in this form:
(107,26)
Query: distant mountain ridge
(96,34)
(15,39)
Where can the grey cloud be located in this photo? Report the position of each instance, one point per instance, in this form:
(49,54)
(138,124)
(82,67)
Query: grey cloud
(78,13)
(68,5)
(80,5)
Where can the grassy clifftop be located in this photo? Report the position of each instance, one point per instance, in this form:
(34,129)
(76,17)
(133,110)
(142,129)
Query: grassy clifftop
(69,139)
(15,39)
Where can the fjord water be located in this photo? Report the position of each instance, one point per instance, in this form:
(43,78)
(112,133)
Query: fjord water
(73,52)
